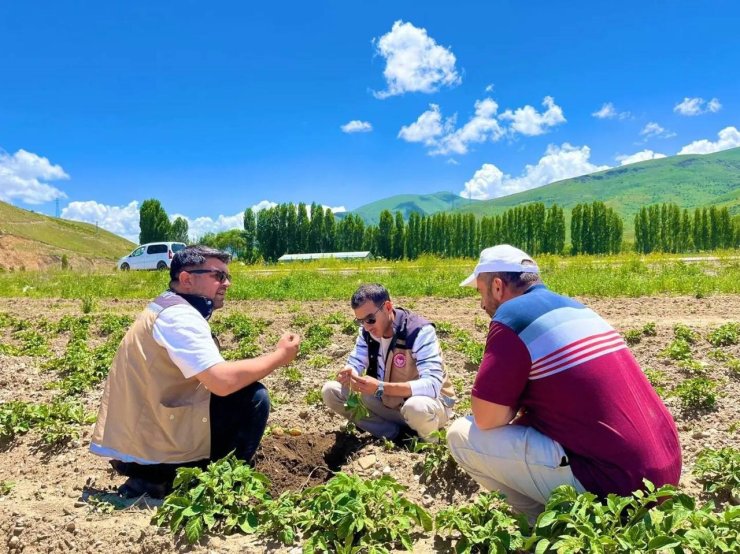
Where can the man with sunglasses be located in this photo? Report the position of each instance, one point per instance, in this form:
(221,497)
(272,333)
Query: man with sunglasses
(171,400)
(396,366)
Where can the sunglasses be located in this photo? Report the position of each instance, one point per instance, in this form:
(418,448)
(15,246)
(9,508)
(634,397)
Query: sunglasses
(221,276)
(370,319)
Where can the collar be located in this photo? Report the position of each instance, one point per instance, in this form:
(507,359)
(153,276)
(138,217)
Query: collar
(201,303)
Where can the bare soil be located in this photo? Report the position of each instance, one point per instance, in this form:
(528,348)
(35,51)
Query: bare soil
(47,509)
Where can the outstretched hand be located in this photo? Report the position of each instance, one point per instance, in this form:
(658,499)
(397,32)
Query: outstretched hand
(289,344)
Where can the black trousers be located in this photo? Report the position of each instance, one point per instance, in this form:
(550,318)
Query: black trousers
(238,422)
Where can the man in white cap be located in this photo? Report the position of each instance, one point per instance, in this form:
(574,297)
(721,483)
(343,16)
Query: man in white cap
(558,398)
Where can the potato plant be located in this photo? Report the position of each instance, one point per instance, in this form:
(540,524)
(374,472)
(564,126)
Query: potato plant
(697,394)
(488,524)
(719,470)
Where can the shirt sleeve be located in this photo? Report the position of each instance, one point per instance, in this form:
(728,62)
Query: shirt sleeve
(427,354)
(504,370)
(359,358)
(186,336)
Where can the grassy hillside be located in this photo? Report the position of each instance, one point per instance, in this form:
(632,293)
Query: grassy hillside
(35,241)
(690,181)
(423,204)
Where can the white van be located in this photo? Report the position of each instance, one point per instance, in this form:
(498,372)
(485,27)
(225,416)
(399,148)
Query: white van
(153,255)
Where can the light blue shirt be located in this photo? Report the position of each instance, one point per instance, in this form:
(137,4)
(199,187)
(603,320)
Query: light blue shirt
(426,352)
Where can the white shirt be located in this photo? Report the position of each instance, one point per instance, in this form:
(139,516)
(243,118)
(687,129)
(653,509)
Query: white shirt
(186,336)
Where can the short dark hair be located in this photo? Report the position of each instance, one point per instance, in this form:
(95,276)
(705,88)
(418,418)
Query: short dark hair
(195,255)
(513,279)
(374,292)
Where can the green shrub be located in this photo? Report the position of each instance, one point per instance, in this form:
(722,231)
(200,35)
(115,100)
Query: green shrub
(437,455)
(682,332)
(649,329)
(574,522)
(726,335)
(313,397)
(318,336)
(487,525)
(658,379)
(58,422)
(226,496)
(318,361)
(719,471)
(679,349)
(694,367)
(697,394)
(632,336)
(346,515)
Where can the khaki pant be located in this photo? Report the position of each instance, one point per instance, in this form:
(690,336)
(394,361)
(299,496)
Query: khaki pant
(422,413)
(519,461)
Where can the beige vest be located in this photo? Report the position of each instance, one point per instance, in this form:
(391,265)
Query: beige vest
(400,367)
(149,411)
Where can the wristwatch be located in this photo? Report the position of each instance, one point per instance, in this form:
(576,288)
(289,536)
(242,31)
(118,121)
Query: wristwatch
(379,391)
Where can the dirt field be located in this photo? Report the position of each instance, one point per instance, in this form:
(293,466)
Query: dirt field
(46,509)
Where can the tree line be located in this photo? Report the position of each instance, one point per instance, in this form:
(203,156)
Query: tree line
(594,229)
(667,228)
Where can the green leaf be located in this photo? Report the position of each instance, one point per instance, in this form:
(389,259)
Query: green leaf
(194,529)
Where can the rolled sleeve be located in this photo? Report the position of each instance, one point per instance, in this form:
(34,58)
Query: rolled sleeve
(427,354)
(186,336)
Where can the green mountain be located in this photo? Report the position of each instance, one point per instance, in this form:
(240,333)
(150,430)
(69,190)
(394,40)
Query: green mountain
(34,241)
(690,181)
(423,204)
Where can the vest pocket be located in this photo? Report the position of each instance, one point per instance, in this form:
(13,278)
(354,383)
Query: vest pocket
(177,433)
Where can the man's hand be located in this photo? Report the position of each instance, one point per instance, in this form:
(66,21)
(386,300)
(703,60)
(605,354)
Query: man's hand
(345,375)
(288,345)
(363,384)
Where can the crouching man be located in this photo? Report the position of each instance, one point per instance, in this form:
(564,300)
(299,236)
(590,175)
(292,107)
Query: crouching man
(396,365)
(170,399)
(558,399)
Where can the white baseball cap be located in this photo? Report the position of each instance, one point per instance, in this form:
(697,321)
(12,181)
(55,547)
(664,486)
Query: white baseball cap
(502,257)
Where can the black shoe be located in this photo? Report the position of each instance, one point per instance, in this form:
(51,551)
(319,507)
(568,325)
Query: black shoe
(135,487)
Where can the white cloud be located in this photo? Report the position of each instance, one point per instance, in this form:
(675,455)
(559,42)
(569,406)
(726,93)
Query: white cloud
(639,157)
(23,177)
(558,163)
(263,205)
(426,128)
(357,126)
(729,137)
(608,111)
(121,220)
(697,106)
(479,128)
(528,121)
(335,209)
(124,220)
(489,87)
(440,134)
(414,61)
(485,183)
(653,129)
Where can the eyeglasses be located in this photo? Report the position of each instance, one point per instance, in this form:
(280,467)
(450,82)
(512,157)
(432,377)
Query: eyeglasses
(221,276)
(370,319)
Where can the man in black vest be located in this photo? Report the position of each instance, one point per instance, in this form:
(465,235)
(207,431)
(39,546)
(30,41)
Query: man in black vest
(396,366)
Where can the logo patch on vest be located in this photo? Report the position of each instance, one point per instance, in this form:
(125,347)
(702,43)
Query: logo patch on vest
(399,360)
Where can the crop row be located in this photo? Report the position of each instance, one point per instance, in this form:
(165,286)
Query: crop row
(348,514)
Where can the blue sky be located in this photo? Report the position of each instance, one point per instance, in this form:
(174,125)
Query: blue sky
(215,107)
